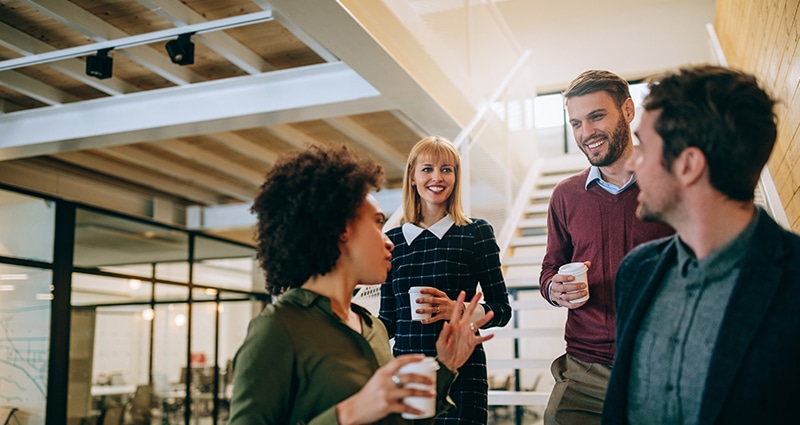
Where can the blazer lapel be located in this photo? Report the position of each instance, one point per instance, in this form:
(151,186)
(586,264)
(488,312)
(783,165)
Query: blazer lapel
(647,280)
(755,288)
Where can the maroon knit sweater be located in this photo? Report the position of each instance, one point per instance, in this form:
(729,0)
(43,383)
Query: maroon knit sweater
(593,225)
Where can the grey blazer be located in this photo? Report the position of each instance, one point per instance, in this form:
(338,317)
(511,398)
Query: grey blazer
(754,374)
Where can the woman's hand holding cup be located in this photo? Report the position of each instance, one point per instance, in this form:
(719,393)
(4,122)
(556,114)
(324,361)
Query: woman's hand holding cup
(459,338)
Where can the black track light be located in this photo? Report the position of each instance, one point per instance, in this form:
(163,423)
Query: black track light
(99,65)
(181,51)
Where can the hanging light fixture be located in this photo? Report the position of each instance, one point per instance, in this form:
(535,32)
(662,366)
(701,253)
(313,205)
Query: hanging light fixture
(181,50)
(99,65)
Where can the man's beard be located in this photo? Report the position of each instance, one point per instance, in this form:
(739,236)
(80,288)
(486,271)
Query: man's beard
(644,213)
(617,141)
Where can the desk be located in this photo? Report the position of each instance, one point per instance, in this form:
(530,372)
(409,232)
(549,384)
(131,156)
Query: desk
(180,392)
(110,400)
(104,390)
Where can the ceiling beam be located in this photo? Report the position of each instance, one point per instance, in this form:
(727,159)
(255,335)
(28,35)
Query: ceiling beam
(247,147)
(303,36)
(223,165)
(141,175)
(217,217)
(338,32)
(34,88)
(51,176)
(369,141)
(311,92)
(292,136)
(144,158)
(410,124)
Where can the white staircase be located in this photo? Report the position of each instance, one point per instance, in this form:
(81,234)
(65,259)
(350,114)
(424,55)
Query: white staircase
(522,259)
(520,354)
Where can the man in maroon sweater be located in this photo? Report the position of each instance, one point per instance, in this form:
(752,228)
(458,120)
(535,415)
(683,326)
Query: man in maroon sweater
(592,219)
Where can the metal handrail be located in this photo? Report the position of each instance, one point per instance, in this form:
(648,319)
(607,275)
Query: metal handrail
(486,108)
(472,133)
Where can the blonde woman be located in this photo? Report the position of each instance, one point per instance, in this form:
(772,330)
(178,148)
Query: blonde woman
(438,246)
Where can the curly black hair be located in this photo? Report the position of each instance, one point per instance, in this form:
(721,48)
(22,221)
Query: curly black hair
(304,206)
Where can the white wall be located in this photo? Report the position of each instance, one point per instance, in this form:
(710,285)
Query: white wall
(633,38)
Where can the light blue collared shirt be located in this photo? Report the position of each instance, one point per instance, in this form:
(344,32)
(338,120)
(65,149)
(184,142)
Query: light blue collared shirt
(594,174)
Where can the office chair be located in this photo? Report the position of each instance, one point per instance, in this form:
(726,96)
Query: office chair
(6,414)
(140,405)
(113,415)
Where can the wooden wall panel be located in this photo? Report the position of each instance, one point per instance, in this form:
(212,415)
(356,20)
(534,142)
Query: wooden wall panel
(763,38)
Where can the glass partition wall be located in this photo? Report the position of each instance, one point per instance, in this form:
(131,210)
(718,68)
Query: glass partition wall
(27,234)
(103,315)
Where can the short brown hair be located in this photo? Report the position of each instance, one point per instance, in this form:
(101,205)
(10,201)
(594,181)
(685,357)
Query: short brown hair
(724,113)
(595,80)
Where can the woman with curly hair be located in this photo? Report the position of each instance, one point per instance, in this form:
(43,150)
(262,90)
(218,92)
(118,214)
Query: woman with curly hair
(441,248)
(313,356)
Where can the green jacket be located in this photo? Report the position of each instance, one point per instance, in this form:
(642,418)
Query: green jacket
(299,360)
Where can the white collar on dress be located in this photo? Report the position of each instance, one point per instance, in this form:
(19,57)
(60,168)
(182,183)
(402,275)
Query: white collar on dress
(412,231)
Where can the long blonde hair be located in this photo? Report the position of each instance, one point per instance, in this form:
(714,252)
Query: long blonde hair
(436,148)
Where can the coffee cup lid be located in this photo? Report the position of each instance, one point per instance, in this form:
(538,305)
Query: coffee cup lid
(426,364)
(572,268)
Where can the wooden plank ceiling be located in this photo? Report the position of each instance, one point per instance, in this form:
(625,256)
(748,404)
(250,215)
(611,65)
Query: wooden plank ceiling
(205,165)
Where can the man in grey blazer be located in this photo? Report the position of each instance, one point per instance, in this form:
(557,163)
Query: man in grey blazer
(708,323)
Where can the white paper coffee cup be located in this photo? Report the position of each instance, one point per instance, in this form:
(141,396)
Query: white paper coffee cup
(413,294)
(579,271)
(427,367)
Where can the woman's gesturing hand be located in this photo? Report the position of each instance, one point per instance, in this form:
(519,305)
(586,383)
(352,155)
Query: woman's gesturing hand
(459,336)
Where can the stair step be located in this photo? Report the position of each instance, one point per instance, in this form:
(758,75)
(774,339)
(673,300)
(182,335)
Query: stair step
(537,240)
(538,304)
(531,282)
(519,363)
(565,163)
(534,231)
(518,398)
(533,222)
(523,261)
(537,208)
(550,180)
(530,332)
(542,194)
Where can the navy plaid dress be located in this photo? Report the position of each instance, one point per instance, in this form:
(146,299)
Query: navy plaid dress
(465,256)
